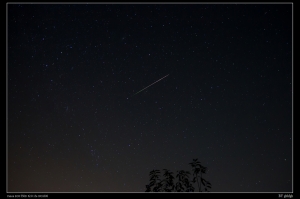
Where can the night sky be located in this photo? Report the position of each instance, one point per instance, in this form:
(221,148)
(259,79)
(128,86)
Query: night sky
(75,125)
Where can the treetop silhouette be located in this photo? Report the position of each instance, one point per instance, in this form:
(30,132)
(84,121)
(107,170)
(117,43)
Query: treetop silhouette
(183,184)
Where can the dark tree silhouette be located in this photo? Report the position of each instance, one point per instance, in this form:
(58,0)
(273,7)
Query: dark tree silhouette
(168,185)
(198,168)
(183,183)
(155,181)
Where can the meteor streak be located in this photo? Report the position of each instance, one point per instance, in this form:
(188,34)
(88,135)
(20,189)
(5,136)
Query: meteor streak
(151,85)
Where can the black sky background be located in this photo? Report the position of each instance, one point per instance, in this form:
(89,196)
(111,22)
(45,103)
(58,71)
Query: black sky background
(75,126)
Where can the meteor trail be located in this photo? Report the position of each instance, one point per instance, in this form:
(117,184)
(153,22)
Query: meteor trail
(150,85)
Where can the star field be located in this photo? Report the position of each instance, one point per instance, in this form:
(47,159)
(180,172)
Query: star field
(75,125)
